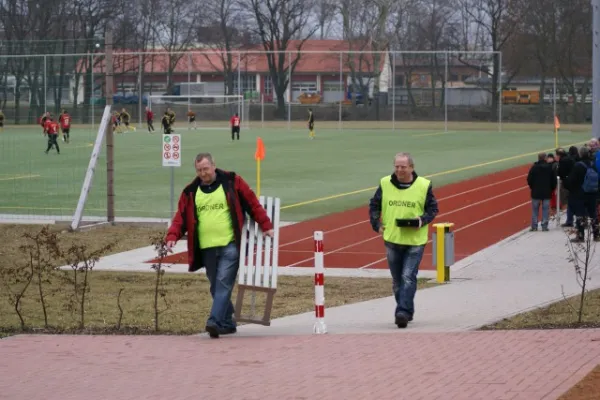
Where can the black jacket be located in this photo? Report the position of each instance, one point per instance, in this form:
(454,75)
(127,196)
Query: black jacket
(430,211)
(576,178)
(541,180)
(565,166)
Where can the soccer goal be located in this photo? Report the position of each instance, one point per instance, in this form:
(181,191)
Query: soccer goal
(212,111)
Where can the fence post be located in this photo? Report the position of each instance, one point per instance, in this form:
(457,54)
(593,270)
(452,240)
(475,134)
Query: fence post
(140,89)
(289,99)
(110,147)
(93,79)
(343,91)
(393,91)
(45,84)
(446,94)
(499,91)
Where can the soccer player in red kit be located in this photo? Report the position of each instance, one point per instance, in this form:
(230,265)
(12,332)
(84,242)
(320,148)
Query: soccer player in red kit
(43,119)
(51,129)
(235,126)
(65,125)
(150,119)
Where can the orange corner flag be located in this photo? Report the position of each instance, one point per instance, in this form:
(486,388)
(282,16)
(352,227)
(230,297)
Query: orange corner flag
(260,150)
(556,123)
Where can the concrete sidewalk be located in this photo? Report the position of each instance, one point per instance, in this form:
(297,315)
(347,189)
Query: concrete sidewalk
(525,271)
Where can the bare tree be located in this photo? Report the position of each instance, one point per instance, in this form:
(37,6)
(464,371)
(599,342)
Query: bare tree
(366,30)
(174,31)
(325,12)
(496,20)
(224,33)
(404,36)
(573,50)
(281,27)
(90,19)
(534,35)
(437,30)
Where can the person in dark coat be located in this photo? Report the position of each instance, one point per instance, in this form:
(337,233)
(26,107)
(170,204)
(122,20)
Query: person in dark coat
(584,204)
(542,182)
(564,169)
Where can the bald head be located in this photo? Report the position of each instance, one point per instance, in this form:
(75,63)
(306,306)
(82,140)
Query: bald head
(404,167)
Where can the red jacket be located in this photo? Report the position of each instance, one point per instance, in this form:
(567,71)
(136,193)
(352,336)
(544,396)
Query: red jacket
(240,199)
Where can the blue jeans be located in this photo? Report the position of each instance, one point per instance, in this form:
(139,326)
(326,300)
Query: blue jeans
(535,209)
(403,262)
(222,265)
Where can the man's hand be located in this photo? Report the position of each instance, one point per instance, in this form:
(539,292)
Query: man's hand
(270,233)
(170,245)
(381,229)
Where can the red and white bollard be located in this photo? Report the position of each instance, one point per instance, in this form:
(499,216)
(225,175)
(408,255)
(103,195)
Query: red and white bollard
(320,326)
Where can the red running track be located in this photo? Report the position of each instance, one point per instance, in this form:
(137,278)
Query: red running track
(484,211)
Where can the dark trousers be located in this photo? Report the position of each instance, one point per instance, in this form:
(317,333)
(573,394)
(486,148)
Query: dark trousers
(150,125)
(53,142)
(235,131)
(586,209)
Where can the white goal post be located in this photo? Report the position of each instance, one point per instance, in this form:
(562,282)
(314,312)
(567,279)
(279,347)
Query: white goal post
(89,175)
(212,111)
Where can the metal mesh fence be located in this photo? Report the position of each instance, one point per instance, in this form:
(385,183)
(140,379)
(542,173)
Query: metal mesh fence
(349,89)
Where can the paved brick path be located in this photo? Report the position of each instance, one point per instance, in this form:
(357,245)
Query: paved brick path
(471,365)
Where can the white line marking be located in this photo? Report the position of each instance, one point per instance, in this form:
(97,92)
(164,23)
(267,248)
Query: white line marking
(440,215)
(339,228)
(462,228)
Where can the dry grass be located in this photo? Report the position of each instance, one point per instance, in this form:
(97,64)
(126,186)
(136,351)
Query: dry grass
(586,389)
(187,295)
(187,302)
(559,315)
(124,236)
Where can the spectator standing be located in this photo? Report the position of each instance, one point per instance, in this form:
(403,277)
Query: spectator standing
(542,183)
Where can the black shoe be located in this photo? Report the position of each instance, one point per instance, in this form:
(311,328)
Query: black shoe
(228,331)
(401,321)
(213,331)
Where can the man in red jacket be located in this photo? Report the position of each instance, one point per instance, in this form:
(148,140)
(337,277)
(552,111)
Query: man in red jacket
(212,210)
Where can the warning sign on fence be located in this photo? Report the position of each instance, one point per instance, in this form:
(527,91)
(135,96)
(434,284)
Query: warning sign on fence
(171,150)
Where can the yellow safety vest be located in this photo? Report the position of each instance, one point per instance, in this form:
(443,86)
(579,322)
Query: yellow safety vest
(214,227)
(403,204)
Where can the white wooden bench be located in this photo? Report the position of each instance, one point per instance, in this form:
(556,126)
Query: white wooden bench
(259,258)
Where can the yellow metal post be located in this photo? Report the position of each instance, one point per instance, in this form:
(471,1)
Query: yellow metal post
(443,270)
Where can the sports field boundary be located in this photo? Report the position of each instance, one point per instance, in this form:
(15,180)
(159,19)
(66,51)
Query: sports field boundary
(38,218)
(442,173)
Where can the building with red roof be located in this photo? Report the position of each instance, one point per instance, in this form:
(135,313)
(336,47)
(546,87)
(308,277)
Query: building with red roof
(326,67)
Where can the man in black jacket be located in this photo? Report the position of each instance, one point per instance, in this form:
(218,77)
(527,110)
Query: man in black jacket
(565,166)
(584,204)
(542,183)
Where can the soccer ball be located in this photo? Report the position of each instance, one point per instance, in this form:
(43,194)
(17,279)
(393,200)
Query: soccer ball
(97,45)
